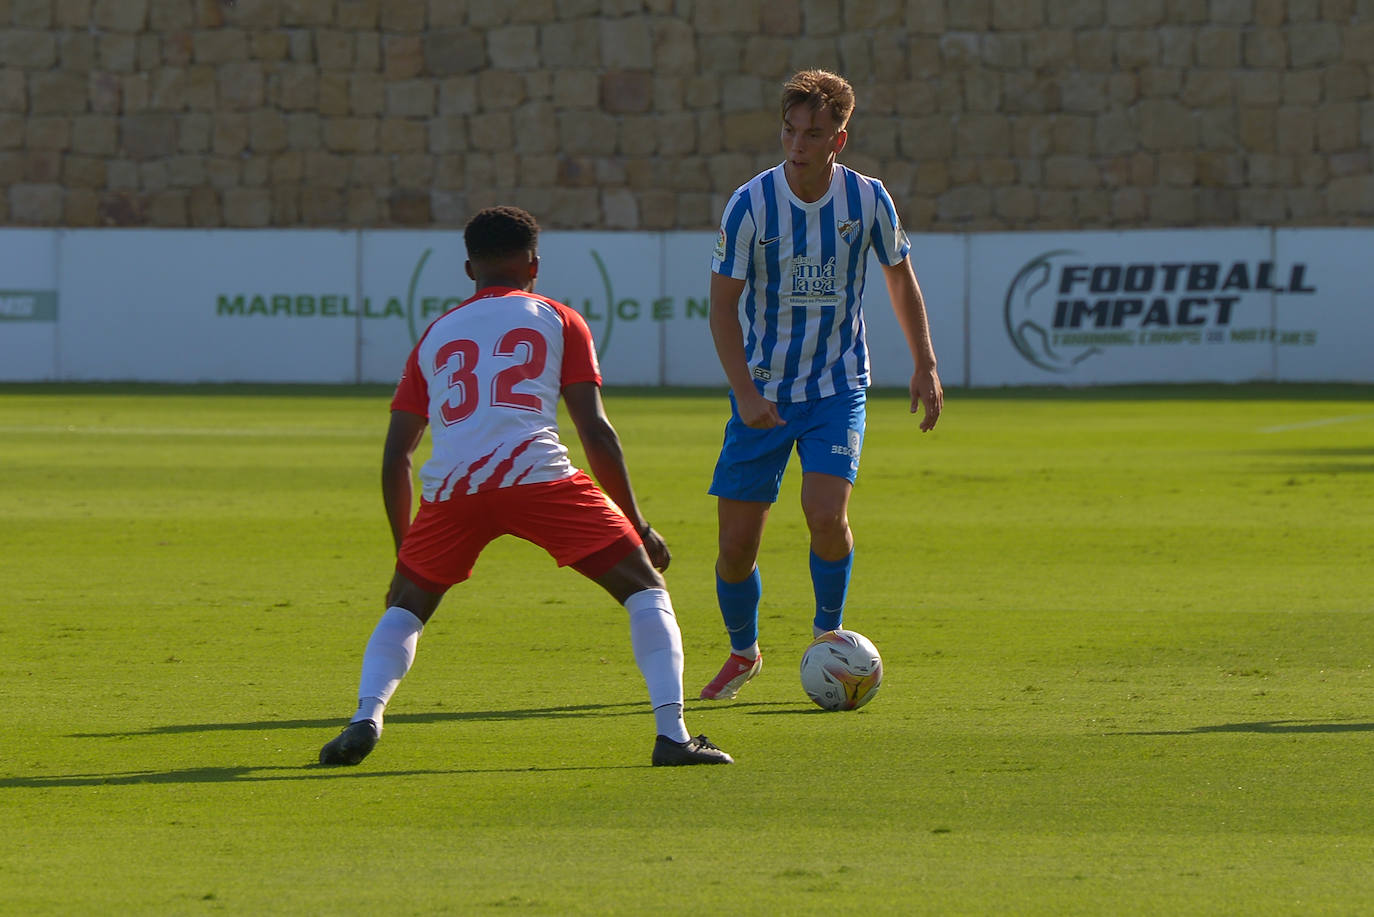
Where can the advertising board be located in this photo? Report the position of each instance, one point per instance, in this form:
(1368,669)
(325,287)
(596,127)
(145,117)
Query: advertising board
(28,305)
(1005,309)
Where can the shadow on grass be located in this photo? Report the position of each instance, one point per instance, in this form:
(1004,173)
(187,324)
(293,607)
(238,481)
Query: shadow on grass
(568,711)
(266,774)
(636,708)
(1265,727)
(782,707)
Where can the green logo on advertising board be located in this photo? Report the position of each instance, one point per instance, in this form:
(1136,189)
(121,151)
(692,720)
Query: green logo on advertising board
(28,305)
(630,309)
(418,310)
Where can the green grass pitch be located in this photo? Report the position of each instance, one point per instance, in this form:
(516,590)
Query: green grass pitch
(1128,637)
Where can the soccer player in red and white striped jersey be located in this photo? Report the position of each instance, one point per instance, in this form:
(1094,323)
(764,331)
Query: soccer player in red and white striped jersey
(485,378)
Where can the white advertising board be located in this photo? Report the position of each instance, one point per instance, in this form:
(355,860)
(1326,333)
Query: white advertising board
(1082,308)
(939,264)
(689,356)
(28,305)
(1327,335)
(1095,308)
(614,279)
(208,306)
(407,280)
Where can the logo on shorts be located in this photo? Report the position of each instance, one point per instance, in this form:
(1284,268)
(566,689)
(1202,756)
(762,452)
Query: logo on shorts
(852,449)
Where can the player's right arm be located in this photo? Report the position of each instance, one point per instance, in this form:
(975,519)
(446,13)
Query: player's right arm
(728,335)
(402,438)
(910,308)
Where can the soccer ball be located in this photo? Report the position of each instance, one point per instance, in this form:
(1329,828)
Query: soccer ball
(841,670)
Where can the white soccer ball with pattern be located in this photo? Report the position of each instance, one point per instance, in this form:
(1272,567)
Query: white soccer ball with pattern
(841,670)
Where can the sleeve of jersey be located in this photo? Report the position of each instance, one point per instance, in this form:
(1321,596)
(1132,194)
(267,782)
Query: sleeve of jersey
(579,350)
(731,256)
(412,393)
(890,242)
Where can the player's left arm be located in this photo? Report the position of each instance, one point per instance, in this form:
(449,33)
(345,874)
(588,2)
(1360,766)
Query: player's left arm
(606,457)
(910,308)
(398,491)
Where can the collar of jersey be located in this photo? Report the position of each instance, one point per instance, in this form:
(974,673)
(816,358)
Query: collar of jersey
(492,292)
(809,205)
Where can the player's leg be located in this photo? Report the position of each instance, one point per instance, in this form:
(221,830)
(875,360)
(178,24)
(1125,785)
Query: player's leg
(739,588)
(655,637)
(580,527)
(387,658)
(745,482)
(391,649)
(438,551)
(656,641)
(825,503)
(829,449)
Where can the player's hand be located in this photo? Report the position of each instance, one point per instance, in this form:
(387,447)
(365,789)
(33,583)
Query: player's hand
(926,392)
(758,412)
(656,548)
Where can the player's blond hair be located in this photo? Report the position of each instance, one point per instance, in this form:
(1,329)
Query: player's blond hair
(817,89)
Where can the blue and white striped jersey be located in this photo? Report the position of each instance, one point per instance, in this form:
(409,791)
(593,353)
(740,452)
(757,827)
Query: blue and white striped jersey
(803,266)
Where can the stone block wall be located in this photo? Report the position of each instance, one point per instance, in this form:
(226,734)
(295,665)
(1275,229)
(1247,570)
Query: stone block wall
(645,114)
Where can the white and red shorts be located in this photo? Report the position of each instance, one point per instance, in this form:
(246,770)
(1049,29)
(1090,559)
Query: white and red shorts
(571,518)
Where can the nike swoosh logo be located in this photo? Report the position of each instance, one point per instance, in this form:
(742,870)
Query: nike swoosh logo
(769,241)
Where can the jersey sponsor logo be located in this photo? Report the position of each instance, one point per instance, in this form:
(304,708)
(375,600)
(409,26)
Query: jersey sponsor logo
(813,278)
(763,242)
(1062,308)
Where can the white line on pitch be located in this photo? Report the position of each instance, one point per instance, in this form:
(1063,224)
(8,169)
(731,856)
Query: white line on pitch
(267,432)
(1324,422)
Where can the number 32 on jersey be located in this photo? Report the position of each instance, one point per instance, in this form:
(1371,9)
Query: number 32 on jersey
(461,358)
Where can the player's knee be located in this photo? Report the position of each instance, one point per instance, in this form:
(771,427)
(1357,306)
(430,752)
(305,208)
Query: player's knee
(738,549)
(646,577)
(631,575)
(412,597)
(826,519)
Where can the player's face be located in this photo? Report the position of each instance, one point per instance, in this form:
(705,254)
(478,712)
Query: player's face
(810,141)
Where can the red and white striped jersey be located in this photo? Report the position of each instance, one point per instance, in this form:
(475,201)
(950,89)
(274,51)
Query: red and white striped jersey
(487,376)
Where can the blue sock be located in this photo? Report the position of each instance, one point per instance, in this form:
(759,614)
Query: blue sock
(830,580)
(739,606)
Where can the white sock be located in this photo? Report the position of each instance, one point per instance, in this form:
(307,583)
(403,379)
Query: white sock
(751,653)
(388,657)
(657,644)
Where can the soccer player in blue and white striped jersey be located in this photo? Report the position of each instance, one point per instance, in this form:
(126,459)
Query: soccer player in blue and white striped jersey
(791,258)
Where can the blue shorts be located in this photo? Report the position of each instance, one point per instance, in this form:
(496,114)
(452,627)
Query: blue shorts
(828,434)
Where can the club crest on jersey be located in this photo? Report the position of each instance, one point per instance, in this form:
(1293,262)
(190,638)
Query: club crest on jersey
(847,229)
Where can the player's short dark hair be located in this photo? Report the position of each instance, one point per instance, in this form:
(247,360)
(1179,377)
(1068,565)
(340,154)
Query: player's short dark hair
(817,89)
(499,232)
